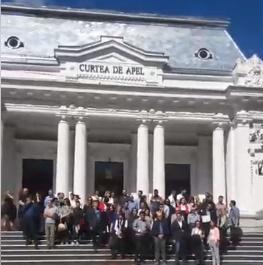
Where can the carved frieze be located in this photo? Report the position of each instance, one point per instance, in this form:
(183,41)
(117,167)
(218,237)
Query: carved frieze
(256,133)
(249,72)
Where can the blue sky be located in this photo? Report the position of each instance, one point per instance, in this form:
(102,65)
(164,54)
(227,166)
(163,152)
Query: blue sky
(246,16)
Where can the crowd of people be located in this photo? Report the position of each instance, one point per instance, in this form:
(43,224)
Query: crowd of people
(144,226)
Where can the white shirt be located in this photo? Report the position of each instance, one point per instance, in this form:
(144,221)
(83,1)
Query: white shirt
(172,200)
(180,223)
(179,197)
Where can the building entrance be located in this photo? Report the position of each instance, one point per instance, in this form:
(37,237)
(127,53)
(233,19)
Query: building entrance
(37,175)
(177,177)
(109,176)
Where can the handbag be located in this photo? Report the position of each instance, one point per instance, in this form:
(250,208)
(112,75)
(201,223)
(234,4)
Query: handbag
(62,227)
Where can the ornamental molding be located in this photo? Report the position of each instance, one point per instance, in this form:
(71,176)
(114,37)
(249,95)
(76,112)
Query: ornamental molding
(256,135)
(242,118)
(150,115)
(249,73)
(220,120)
(256,115)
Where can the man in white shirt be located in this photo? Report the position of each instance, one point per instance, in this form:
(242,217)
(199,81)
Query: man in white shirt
(172,198)
(181,195)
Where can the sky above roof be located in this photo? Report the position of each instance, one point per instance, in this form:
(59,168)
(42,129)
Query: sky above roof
(246,16)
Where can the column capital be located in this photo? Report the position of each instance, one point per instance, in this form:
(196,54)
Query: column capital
(143,122)
(159,122)
(63,113)
(242,118)
(220,121)
(79,114)
(219,125)
(143,117)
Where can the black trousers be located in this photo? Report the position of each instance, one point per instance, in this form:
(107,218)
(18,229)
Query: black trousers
(95,237)
(140,243)
(117,245)
(198,249)
(30,230)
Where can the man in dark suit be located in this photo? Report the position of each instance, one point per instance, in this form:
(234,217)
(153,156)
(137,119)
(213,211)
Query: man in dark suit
(179,233)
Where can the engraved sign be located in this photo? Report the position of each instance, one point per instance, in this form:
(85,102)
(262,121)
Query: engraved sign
(97,71)
(110,69)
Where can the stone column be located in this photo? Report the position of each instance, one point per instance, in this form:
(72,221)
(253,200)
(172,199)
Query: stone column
(71,158)
(219,183)
(242,164)
(143,158)
(230,164)
(132,163)
(80,160)
(63,147)
(159,159)
(2,137)
(204,165)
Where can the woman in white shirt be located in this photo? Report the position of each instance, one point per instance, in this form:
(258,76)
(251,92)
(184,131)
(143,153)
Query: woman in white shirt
(197,243)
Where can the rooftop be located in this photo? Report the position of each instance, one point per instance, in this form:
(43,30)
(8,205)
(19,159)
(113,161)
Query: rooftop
(190,44)
(106,15)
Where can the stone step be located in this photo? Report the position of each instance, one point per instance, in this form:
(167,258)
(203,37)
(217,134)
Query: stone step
(44,246)
(80,256)
(16,240)
(117,261)
(100,250)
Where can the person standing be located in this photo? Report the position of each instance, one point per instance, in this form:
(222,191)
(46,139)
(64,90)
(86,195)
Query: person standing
(139,199)
(192,218)
(155,201)
(8,212)
(93,217)
(50,215)
(221,209)
(49,197)
(181,195)
(213,242)
(197,243)
(234,216)
(22,196)
(160,232)
(131,204)
(117,238)
(140,227)
(30,221)
(77,215)
(179,234)
(172,199)
(124,198)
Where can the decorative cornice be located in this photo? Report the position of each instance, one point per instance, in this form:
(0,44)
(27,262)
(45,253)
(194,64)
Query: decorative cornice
(220,120)
(249,73)
(145,115)
(256,115)
(242,118)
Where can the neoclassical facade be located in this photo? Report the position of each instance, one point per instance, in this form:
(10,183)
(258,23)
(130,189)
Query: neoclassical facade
(103,100)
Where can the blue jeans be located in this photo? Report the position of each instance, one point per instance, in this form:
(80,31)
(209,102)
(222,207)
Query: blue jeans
(180,249)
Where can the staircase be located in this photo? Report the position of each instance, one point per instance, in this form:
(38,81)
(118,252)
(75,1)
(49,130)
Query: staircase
(14,251)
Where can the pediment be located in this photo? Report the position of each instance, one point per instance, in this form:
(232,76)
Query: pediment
(110,60)
(110,49)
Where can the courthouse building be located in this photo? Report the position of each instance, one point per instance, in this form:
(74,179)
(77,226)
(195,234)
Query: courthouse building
(104,101)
